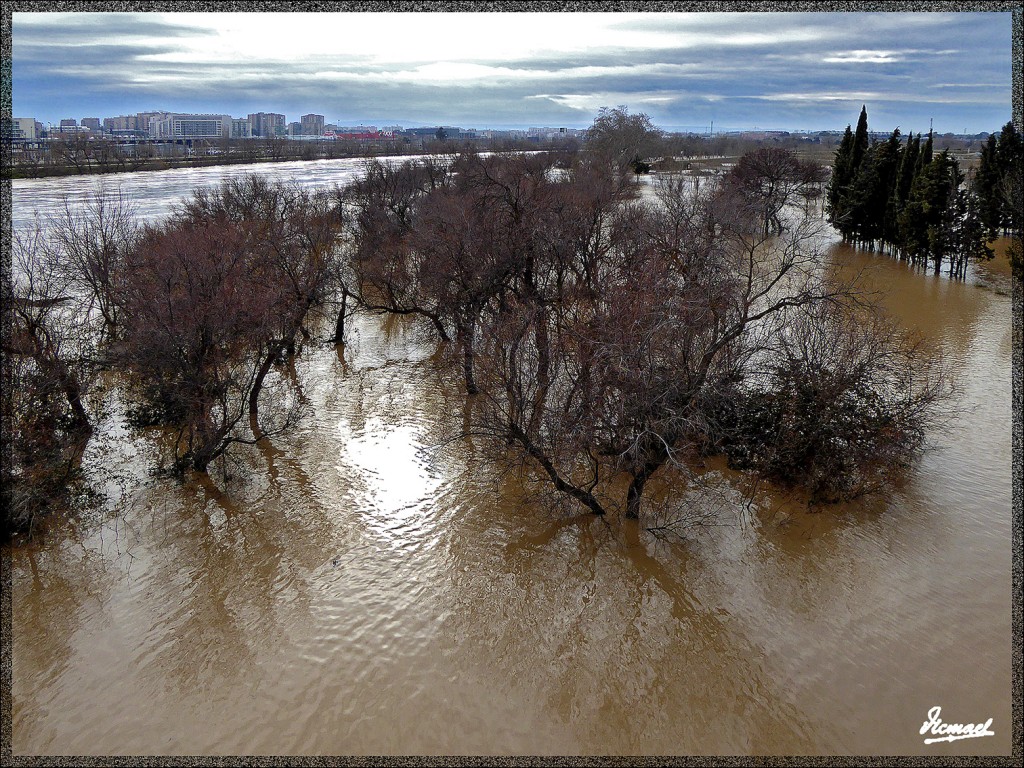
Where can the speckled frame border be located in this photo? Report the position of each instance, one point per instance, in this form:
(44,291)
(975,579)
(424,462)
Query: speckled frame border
(1017,304)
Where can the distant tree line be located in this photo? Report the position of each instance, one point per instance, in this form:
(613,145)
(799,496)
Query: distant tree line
(81,153)
(904,198)
(606,340)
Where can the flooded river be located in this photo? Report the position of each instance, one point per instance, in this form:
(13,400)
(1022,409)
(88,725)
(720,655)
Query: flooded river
(366,586)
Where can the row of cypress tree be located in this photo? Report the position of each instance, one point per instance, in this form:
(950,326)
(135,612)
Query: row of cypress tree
(904,198)
(997,183)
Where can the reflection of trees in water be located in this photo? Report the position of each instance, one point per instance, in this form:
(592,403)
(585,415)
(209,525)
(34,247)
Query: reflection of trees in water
(942,309)
(234,567)
(614,644)
(52,588)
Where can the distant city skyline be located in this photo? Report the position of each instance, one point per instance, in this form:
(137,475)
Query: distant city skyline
(767,71)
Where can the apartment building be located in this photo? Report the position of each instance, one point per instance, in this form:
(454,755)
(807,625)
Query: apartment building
(312,125)
(267,124)
(241,128)
(121,123)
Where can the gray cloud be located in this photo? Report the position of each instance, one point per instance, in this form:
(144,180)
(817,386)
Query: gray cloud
(770,70)
(86,28)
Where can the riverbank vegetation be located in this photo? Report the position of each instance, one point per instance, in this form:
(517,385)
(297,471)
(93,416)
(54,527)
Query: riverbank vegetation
(605,335)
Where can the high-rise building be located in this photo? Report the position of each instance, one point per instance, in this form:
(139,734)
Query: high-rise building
(294,129)
(121,123)
(241,128)
(69,122)
(144,120)
(92,123)
(267,124)
(312,125)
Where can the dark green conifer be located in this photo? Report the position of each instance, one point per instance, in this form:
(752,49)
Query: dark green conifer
(870,191)
(860,141)
(926,226)
(839,182)
(926,153)
(986,188)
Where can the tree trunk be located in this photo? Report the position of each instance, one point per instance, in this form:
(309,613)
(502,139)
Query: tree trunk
(339,326)
(257,384)
(74,395)
(465,338)
(439,326)
(633,495)
(636,487)
(543,354)
(586,498)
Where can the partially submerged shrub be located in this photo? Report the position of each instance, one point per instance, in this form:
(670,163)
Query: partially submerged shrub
(842,408)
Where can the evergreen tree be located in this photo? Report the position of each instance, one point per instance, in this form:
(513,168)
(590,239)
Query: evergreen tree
(860,140)
(914,201)
(925,157)
(927,226)
(972,243)
(986,188)
(871,189)
(1009,146)
(1010,161)
(901,190)
(890,157)
(839,182)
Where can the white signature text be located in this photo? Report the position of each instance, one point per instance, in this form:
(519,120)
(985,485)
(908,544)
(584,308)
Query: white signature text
(952,731)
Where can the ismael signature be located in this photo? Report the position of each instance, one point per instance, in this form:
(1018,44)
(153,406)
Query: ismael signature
(952,731)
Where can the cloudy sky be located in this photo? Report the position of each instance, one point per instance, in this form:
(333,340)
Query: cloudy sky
(773,70)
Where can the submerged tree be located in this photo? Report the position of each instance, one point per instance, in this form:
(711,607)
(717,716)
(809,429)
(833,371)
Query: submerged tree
(49,361)
(600,337)
(291,237)
(93,242)
(200,319)
(997,184)
(383,204)
(908,200)
(841,408)
(771,178)
(686,297)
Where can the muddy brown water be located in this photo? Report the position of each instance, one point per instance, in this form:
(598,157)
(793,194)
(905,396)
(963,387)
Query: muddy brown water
(363,586)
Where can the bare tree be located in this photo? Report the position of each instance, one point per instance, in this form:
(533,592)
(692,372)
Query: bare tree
(199,322)
(841,406)
(93,242)
(623,139)
(48,375)
(72,150)
(385,272)
(602,336)
(684,299)
(291,235)
(770,178)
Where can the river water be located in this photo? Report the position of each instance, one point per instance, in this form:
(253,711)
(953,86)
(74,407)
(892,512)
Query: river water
(366,586)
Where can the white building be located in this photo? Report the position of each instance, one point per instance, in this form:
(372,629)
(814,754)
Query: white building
(20,128)
(186,126)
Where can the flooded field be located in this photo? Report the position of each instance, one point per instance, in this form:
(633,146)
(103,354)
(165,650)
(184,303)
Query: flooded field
(364,585)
